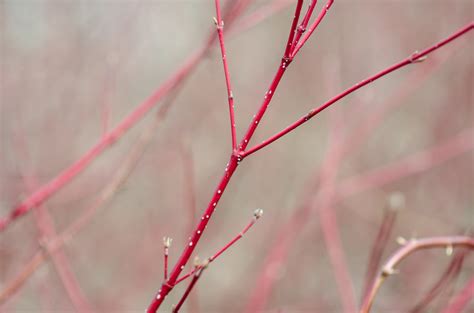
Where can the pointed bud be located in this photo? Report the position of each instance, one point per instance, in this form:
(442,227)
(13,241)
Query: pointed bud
(258,213)
(167,242)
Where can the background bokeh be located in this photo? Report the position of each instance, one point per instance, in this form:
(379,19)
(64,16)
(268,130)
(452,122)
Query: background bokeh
(72,69)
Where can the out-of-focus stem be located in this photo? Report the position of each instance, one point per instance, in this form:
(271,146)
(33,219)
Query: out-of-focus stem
(230,94)
(381,240)
(410,247)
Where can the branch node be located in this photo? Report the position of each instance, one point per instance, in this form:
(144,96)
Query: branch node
(415,58)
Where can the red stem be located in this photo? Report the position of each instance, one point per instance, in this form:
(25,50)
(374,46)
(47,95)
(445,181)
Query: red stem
(312,28)
(257,215)
(188,289)
(289,44)
(165,274)
(415,57)
(304,24)
(406,250)
(230,95)
(378,247)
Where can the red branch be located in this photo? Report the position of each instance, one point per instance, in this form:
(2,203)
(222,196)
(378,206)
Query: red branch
(230,95)
(44,192)
(234,160)
(256,215)
(402,253)
(414,58)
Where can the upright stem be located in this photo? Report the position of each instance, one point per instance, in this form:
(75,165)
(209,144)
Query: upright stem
(302,28)
(230,95)
(289,44)
(312,28)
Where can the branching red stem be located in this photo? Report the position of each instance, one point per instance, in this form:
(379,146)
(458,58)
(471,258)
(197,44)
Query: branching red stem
(257,214)
(304,24)
(312,28)
(289,44)
(403,252)
(381,241)
(415,57)
(230,95)
(197,274)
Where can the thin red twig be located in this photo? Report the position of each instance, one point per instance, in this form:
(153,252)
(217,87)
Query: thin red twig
(304,24)
(414,58)
(166,247)
(197,274)
(403,252)
(312,28)
(234,160)
(381,241)
(256,215)
(289,44)
(230,95)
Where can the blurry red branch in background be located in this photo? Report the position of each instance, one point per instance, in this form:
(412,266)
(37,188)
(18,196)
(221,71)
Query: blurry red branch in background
(409,247)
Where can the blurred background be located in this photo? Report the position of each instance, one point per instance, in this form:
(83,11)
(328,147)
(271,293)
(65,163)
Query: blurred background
(72,70)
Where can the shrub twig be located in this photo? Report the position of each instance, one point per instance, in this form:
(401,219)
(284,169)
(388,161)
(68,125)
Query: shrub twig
(411,246)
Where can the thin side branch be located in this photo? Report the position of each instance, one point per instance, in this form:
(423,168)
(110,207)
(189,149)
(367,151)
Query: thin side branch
(296,17)
(199,268)
(230,96)
(304,24)
(414,58)
(256,215)
(381,240)
(448,242)
(166,246)
(312,28)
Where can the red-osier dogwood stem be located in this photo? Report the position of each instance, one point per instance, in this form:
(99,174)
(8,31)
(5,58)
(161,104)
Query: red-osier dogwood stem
(294,43)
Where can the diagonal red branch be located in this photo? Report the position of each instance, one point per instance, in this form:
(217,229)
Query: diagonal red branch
(48,189)
(296,17)
(312,28)
(402,253)
(415,57)
(304,24)
(230,95)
